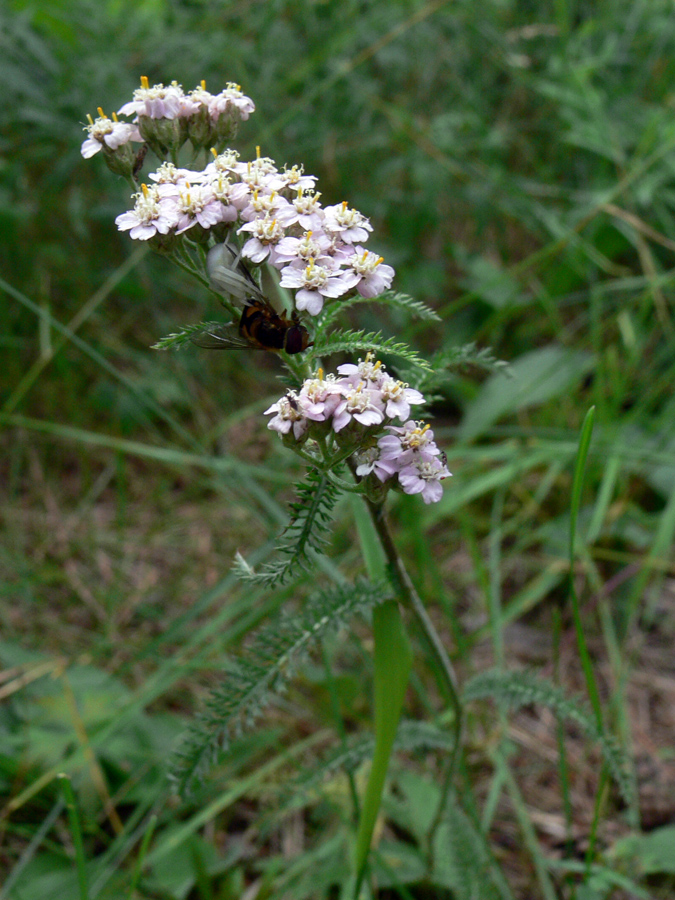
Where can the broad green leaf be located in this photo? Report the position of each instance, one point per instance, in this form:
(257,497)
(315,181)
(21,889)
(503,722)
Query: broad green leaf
(537,377)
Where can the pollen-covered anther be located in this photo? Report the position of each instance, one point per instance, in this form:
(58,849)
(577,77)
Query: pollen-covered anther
(145,84)
(203,84)
(101,113)
(144,188)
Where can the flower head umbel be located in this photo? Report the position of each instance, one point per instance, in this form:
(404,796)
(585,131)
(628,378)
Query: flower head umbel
(362,402)
(266,214)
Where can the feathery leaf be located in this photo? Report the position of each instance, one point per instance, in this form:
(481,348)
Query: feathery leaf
(349,341)
(306,532)
(264,670)
(392,298)
(518,689)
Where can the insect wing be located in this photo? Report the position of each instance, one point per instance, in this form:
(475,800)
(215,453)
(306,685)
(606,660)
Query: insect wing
(222,338)
(229,275)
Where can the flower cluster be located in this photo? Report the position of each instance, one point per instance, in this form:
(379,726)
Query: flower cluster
(274,216)
(166,117)
(354,413)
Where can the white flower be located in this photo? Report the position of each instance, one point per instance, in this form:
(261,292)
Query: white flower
(107,131)
(167,173)
(349,224)
(288,416)
(309,246)
(232,97)
(150,215)
(374,278)
(261,175)
(157,102)
(314,283)
(296,179)
(397,397)
(261,203)
(306,211)
(361,404)
(197,205)
(366,370)
(266,233)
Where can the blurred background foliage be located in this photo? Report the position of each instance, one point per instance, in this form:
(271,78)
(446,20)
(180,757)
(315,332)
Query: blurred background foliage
(517,161)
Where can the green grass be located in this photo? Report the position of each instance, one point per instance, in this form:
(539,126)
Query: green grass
(518,165)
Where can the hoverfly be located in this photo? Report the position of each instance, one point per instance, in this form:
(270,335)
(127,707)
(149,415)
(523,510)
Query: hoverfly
(260,325)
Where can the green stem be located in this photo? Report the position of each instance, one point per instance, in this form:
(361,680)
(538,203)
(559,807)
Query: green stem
(410,598)
(448,681)
(391,653)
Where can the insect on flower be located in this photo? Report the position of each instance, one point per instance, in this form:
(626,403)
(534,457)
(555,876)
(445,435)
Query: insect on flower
(260,327)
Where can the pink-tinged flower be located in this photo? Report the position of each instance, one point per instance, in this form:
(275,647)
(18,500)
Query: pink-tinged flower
(366,370)
(397,397)
(306,211)
(374,278)
(224,163)
(296,180)
(349,224)
(260,203)
(423,476)
(320,396)
(404,443)
(197,205)
(266,232)
(157,102)
(260,175)
(313,284)
(231,98)
(150,215)
(361,404)
(369,460)
(167,173)
(289,416)
(302,249)
(107,131)
(231,195)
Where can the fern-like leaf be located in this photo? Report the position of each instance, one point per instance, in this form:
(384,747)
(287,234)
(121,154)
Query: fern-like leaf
(350,341)
(392,298)
(264,670)
(467,356)
(411,735)
(178,339)
(517,689)
(463,861)
(306,533)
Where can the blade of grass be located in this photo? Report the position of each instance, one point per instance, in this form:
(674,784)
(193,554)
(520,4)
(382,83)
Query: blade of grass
(78,319)
(76,834)
(577,486)
(142,852)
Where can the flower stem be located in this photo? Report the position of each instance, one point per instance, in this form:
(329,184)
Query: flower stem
(410,598)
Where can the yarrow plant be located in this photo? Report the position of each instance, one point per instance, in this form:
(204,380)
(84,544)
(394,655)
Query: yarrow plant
(225,220)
